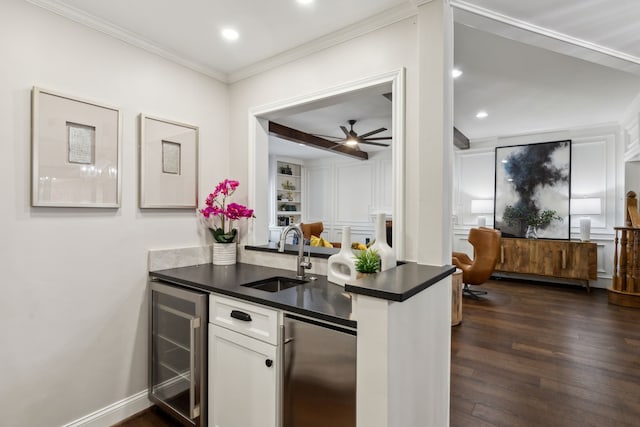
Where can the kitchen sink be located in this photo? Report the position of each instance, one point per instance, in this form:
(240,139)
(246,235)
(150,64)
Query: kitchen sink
(275,284)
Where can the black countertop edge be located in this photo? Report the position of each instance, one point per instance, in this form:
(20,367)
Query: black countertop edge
(316,251)
(400,283)
(179,276)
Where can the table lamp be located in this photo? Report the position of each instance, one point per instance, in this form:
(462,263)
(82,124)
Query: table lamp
(482,206)
(586,206)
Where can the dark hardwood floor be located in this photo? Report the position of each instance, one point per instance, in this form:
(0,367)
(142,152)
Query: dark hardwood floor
(530,354)
(151,417)
(541,355)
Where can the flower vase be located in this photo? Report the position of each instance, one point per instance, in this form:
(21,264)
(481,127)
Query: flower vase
(386,253)
(224,253)
(341,267)
(531,232)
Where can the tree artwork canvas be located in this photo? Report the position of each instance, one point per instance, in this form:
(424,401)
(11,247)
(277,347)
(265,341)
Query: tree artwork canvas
(533,187)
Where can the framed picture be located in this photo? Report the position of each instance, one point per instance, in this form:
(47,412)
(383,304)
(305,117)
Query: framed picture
(168,164)
(532,190)
(75,152)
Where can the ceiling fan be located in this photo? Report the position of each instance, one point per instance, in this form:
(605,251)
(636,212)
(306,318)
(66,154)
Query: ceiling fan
(351,138)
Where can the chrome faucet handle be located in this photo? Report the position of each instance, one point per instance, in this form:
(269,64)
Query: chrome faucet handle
(306,265)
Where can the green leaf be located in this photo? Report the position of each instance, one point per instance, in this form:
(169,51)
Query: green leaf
(368,261)
(221,237)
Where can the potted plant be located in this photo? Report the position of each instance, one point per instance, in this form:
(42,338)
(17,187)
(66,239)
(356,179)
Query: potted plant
(531,218)
(219,217)
(367,262)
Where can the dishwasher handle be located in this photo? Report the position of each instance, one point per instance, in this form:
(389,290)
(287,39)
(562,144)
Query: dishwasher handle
(241,315)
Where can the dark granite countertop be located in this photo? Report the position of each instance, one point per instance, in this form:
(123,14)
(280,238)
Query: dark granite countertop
(400,283)
(316,251)
(317,298)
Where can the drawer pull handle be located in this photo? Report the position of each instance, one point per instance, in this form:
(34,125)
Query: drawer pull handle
(241,315)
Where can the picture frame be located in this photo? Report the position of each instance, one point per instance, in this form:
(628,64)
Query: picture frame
(76,152)
(532,190)
(168,164)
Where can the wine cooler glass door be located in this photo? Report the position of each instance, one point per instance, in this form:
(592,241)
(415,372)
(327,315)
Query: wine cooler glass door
(176,351)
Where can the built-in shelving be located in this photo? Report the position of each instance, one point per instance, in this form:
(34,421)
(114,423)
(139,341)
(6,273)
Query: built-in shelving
(288,193)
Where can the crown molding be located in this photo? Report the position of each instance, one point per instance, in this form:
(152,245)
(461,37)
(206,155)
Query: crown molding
(383,19)
(523,25)
(126,36)
(390,16)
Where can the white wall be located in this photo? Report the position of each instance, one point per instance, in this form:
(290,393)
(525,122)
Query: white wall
(73,308)
(631,131)
(595,156)
(631,137)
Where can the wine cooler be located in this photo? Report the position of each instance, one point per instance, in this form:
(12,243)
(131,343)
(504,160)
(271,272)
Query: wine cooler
(178,352)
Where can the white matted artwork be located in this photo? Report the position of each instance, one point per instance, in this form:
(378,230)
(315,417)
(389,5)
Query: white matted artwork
(76,152)
(168,164)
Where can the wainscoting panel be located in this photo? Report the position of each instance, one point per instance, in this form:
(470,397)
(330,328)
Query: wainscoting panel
(355,192)
(318,194)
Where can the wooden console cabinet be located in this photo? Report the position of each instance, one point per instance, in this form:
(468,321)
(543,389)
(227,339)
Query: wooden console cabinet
(549,258)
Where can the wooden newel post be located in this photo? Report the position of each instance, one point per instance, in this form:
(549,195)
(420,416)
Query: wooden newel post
(631,209)
(625,286)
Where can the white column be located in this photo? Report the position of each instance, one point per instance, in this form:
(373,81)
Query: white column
(435,133)
(403,359)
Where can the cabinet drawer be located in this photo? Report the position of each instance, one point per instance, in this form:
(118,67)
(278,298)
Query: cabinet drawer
(248,319)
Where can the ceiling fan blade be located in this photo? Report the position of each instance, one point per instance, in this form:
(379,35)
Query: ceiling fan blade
(379,138)
(373,143)
(328,136)
(346,132)
(338,144)
(373,132)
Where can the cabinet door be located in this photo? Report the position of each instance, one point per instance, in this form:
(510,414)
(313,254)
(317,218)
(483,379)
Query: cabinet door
(571,260)
(242,380)
(515,256)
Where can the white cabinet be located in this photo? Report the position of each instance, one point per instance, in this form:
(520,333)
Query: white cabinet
(242,380)
(288,193)
(243,364)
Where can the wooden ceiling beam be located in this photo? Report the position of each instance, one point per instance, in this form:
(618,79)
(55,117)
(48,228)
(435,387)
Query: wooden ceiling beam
(460,140)
(301,137)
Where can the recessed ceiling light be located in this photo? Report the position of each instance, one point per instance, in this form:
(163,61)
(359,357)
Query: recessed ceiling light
(456,73)
(482,114)
(230,34)
(305,1)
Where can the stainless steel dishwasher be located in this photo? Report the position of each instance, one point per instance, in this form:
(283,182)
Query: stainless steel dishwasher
(319,374)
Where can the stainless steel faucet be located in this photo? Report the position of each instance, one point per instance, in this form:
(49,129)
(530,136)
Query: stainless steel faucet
(301,264)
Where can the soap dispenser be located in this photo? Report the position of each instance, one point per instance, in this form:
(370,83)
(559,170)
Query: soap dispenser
(341,267)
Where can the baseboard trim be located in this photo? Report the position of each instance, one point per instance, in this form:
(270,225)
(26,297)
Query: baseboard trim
(114,413)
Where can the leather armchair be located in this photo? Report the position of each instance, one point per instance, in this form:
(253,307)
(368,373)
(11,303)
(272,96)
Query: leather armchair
(312,229)
(315,229)
(476,271)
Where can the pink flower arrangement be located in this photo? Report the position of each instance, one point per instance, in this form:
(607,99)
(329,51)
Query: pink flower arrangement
(217,208)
